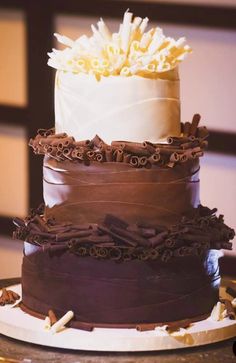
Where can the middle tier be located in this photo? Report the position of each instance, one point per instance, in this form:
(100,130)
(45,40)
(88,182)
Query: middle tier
(84,194)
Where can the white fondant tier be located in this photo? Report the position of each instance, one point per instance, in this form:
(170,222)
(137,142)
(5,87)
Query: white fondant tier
(116,108)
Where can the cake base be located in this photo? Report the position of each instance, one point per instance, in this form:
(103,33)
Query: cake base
(16,324)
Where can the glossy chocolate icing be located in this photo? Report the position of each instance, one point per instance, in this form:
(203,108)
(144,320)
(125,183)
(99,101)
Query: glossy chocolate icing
(79,193)
(105,291)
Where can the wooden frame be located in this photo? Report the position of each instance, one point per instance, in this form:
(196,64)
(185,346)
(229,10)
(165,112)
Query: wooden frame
(39,28)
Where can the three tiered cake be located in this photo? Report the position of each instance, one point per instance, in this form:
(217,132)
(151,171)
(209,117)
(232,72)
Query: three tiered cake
(122,238)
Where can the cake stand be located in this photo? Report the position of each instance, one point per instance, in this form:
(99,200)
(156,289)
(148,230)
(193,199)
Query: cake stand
(16,324)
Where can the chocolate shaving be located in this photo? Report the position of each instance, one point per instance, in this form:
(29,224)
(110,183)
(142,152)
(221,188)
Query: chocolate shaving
(231,291)
(8,297)
(139,155)
(195,233)
(52,317)
(230,313)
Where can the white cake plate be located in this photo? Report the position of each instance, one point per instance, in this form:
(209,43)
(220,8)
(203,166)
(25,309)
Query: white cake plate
(16,324)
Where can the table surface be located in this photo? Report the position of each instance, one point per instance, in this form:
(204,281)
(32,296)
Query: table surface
(29,353)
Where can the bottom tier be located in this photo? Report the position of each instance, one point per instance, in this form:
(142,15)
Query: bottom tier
(101,291)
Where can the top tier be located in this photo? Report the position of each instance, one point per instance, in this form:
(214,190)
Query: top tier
(121,86)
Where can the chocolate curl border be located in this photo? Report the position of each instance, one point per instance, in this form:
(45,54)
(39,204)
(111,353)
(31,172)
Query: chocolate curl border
(139,155)
(193,235)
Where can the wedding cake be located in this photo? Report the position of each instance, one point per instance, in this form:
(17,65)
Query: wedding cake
(121,239)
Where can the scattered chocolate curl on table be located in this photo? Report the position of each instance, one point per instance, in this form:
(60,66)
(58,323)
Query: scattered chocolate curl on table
(190,145)
(117,240)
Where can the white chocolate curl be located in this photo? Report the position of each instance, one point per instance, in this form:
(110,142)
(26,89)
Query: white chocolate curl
(217,311)
(129,47)
(47,323)
(62,322)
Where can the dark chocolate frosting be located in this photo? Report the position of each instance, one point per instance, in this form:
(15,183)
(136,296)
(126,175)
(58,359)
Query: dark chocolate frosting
(79,193)
(105,291)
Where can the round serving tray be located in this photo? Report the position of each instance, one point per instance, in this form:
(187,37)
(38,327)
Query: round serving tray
(16,324)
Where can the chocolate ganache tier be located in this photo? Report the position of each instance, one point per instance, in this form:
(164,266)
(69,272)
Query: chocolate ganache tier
(79,193)
(106,291)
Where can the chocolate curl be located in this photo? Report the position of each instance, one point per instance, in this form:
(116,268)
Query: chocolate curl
(118,145)
(118,154)
(149,146)
(134,237)
(4,297)
(57,136)
(45,132)
(67,153)
(41,223)
(174,157)
(90,239)
(39,150)
(227,245)
(190,144)
(166,255)
(231,291)
(83,143)
(81,251)
(99,157)
(55,153)
(102,252)
(154,253)
(67,141)
(32,142)
(135,148)
(143,161)
(77,154)
(177,141)
(144,255)
(158,239)
(65,227)
(230,313)
(52,317)
(106,244)
(147,232)
(110,219)
(194,124)
(93,251)
(170,243)
(126,158)
(131,237)
(202,132)
(114,253)
(183,158)
(8,297)
(199,154)
(186,128)
(118,238)
(195,152)
(40,234)
(18,222)
(183,251)
(53,142)
(97,141)
(134,161)
(127,255)
(204,144)
(108,154)
(68,235)
(176,325)
(134,228)
(154,158)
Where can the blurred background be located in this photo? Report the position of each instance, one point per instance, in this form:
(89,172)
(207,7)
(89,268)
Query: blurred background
(208,87)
